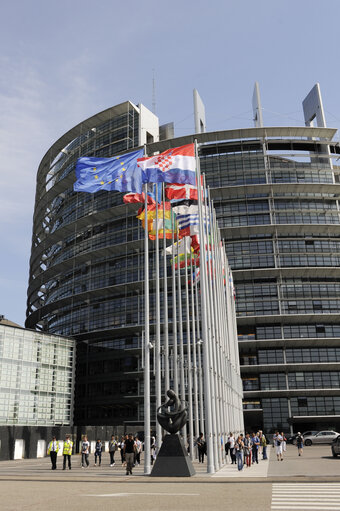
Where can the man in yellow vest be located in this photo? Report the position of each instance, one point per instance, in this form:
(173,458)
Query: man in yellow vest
(52,450)
(67,452)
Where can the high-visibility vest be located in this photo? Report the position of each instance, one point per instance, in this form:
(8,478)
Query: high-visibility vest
(68,447)
(50,447)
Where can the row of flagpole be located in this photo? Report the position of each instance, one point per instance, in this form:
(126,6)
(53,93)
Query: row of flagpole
(205,370)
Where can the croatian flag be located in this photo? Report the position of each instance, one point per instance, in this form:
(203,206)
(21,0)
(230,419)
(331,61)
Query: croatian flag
(173,166)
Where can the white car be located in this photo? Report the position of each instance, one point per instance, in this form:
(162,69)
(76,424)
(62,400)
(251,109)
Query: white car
(322,437)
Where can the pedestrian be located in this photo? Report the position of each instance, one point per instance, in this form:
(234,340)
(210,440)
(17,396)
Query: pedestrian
(121,447)
(284,442)
(248,444)
(200,442)
(231,441)
(299,443)
(277,440)
(98,452)
(227,449)
(85,451)
(239,445)
(139,447)
(113,446)
(153,448)
(256,442)
(260,449)
(264,447)
(52,451)
(67,452)
(129,451)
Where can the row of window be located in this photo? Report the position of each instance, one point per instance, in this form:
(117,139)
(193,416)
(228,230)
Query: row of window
(298,380)
(246,333)
(292,356)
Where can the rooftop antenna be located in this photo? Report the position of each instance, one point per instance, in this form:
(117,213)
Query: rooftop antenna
(153,92)
(257,107)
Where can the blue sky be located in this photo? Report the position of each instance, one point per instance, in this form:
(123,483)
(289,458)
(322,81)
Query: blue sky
(61,62)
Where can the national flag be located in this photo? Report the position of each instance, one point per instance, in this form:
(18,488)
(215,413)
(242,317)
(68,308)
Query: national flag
(151,220)
(188,220)
(176,191)
(120,173)
(196,275)
(176,165)
(162,224)
(180,260)
(181,247)
(140,197)
(133,198)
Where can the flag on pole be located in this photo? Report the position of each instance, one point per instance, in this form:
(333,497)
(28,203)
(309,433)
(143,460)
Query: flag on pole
(176,191)
(180,260)
(151,220)
(120,173)
(173,166)
(188,220)
(140,197)
(183,246)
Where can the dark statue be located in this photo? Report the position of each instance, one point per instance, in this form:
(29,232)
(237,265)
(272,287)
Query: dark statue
(172,459)
(173,420)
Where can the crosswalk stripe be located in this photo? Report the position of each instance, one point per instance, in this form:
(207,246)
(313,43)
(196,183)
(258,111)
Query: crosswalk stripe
(309,496)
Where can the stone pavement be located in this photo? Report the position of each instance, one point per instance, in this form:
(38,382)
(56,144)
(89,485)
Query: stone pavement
(31,485)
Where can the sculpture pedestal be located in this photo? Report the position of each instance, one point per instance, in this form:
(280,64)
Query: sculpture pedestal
(172,459)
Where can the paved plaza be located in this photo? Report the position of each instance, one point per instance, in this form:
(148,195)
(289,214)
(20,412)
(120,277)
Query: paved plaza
(310,482)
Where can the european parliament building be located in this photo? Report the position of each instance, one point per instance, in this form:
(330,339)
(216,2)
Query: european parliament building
(276,194)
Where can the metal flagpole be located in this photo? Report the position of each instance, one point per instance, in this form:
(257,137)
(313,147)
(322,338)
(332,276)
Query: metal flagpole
(147,423)
(191,429)
(199,361)
(174,309)
(194,352)
(218,379)
(205,325)
(213,335)
(220,351)
(165,300)
(224,334)
(157,353)
(181,345)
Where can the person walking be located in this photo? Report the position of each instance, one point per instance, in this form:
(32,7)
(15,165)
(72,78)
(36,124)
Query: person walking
(239,445)
(98,452)
(277,439)
(67,452)
(200,442)
(260,449)
(231,441)
(139,447)
(121,447)
(299,443)
(248,444)
(129,451)
(113,446)
(264,446)
(284,442)
(256,442)
(52,451)
(85,451)
(153,448)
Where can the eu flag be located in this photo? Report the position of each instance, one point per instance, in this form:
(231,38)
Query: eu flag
(119,173)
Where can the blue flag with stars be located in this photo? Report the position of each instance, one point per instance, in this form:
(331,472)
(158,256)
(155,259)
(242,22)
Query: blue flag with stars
(119,173)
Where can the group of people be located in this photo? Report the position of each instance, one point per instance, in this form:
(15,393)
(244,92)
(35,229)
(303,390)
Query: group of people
(53,449)
(130,448)
(245,450)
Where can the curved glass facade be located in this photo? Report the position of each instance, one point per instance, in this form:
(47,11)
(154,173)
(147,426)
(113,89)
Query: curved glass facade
(276,194)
